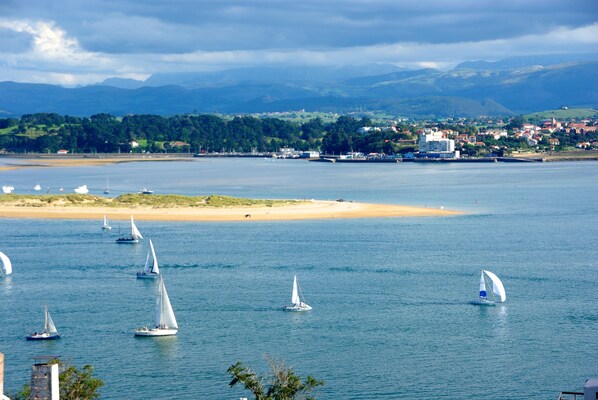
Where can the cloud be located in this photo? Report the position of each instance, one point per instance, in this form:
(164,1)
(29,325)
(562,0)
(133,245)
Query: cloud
(79,42)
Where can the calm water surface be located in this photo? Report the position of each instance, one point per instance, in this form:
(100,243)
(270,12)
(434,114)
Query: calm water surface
(390,318)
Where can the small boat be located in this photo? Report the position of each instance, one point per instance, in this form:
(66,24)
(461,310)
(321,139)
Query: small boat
(146,191)
(298,305)
(498,294)
(37,187)
(165,320)
(49,332)
(106,226)
(6,264)
(107,188)
(150,271)
(135,235)
(7,189)
(82,189)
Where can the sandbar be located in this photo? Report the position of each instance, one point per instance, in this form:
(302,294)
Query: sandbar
(303,210)
(84,161)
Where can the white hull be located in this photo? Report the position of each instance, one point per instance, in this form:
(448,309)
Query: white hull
(106,228)
(156,332)
(43,336)
(298,307)
(482,302)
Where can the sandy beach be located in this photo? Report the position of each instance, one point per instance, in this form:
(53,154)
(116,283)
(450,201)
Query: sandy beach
(310,209)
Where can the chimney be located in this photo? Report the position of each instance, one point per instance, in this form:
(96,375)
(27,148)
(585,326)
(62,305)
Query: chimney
(44,380)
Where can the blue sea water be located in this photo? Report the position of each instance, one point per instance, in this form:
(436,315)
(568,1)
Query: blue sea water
(390,316)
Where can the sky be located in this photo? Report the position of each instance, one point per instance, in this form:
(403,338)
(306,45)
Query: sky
(79,42)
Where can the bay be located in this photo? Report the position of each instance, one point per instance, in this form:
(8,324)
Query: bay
(391,317)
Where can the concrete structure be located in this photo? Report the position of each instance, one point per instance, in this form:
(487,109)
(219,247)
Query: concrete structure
(44,380)
(310,154)
(590,389)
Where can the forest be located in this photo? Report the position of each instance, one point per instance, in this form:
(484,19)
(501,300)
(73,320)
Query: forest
(103,133)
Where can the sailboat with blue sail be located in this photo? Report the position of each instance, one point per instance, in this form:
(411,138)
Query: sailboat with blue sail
(497,292)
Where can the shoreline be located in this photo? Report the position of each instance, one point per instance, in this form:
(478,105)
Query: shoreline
(305,210)
(52,160)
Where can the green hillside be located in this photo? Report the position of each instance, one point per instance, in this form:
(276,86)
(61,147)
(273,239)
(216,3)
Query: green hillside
(564,114)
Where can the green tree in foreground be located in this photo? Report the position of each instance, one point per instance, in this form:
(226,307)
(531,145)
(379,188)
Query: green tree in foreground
(74,384)
(284,384)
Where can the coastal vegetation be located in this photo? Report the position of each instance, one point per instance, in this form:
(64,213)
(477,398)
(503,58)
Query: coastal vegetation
(138,200)
(207,134)
(283,384)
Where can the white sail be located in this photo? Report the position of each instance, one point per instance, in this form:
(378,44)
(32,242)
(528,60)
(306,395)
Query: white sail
(482,286)
(146,269)
(6,264)
(497,286)
(105,221)
(49,323)
(155,269)
(165,315)
(134,231)
(295,296)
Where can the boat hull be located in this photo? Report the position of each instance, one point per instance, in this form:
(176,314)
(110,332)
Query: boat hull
(106,228)
(483,303)
(127,241)
(143,275)
(298,308)
(43,337)
(156,332)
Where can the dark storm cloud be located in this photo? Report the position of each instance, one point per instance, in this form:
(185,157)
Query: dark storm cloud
(216,25)
(83,41)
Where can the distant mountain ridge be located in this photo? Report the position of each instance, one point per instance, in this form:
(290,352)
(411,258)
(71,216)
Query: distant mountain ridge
(461,92)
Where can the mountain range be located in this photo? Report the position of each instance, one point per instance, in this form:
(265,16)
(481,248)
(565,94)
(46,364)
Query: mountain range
(512,86)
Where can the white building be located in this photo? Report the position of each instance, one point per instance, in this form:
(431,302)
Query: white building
(432,143)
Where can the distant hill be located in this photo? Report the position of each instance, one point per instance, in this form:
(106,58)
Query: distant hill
(462,92)
(305,74)
(528,61)
(123,83)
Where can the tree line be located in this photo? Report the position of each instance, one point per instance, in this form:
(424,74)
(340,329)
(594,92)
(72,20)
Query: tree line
(104,133)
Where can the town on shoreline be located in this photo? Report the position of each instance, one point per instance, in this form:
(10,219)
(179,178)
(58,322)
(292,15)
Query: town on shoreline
(337,139)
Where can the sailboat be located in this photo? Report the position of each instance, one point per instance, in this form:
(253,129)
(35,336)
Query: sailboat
(37,187)
(135,235)
(497,294)
(298,305)
(107,188)
(49,331)
(150,270)
(106,226)
(165,320)
(6,264)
